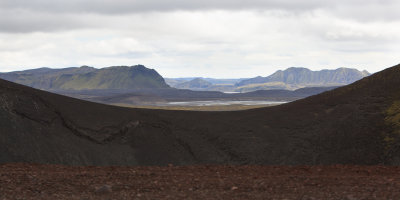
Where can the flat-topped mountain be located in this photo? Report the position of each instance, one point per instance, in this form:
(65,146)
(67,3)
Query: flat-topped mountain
(290,79)
(294,78)
(354,124)
(118,77)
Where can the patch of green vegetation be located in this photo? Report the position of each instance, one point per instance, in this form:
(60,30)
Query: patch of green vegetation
(392,120)
(393,115)
(112,78)
(119,77)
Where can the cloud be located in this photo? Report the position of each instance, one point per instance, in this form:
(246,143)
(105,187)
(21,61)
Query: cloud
(133,6)
(200,38)
(60,15)
(375,8)
(23,21)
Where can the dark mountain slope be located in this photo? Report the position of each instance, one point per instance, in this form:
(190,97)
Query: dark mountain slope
(350,124)
(36,126)
(355,124)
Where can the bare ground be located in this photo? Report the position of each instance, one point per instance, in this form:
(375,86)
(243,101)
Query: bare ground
(232,107)
(25,181)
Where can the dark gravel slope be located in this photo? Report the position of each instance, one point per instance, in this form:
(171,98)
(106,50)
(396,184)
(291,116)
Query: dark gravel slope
(341,182)
(355,124)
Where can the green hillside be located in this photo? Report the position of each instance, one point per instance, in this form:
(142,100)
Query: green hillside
(118,77)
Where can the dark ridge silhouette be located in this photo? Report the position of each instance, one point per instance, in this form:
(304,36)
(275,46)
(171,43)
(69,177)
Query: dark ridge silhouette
(354,124)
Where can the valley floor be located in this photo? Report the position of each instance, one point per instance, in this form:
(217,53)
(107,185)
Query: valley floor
(233,107)
(25,181)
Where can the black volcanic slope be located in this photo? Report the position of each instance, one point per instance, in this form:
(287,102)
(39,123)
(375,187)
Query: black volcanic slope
(355,124)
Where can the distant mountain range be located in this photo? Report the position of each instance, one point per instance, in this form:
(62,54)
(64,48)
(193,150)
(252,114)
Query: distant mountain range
(138,85)
(289,79)
(140,77)
(294,78)
(86,78)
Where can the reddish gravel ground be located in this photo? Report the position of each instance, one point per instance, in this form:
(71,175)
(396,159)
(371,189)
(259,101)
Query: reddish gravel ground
(24,181)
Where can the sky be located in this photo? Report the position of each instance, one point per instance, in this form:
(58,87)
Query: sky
(208,38)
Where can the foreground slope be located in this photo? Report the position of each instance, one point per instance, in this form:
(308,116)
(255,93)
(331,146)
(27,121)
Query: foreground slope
(338,182)
(355,124)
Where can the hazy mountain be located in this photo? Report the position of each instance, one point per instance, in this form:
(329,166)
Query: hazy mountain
(354,124)
(289,79)
(293,78)
(119,77)
(195,84)
(224,81)
(173,82)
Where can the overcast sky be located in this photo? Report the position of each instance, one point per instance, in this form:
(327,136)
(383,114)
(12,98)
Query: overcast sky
(209,38)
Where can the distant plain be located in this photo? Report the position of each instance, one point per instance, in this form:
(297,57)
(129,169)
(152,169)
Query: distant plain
(191,107)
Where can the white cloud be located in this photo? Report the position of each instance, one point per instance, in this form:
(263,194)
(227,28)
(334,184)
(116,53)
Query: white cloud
(190,38)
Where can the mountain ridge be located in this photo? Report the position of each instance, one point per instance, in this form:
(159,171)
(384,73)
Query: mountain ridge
(289,79)
(115,77)
(305,77)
